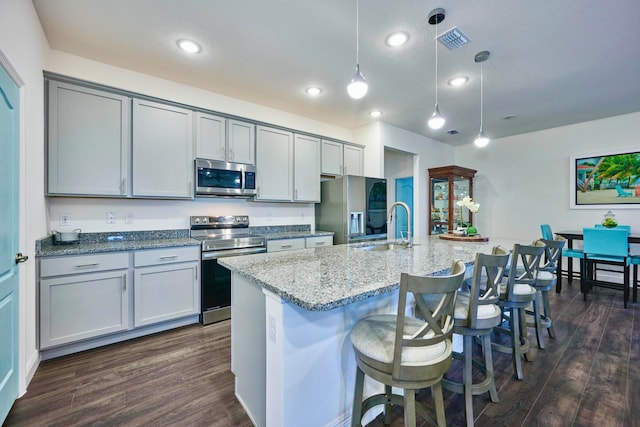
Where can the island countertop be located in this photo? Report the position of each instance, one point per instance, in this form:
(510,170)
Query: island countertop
(324,278)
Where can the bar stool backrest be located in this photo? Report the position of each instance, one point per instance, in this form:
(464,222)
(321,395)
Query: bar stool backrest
(553,252)
(438,316)
(525,262)
(488,273)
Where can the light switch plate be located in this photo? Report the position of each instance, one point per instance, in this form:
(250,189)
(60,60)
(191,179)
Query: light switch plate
(128,218)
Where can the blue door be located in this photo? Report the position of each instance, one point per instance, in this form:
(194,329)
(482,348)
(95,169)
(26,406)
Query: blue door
(404,193)
(9,126)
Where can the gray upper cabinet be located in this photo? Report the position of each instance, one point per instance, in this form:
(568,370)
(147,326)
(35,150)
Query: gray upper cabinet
(306,168)
(88,142)
(342,159)
(353,160)
(241,142)
(218,138)
(211,137)
(274,157)
(162,150)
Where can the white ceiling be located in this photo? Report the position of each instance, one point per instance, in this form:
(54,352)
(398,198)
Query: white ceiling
(553,62)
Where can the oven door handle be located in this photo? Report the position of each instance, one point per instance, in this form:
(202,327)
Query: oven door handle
(234,252)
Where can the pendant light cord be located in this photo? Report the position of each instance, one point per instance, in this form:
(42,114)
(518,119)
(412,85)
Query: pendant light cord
(481,96)
(436,39)
(357,31)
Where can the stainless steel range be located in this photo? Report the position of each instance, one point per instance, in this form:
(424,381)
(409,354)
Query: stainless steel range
(221,236)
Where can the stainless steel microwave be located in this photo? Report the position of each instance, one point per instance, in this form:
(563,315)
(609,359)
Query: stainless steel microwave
(222,179)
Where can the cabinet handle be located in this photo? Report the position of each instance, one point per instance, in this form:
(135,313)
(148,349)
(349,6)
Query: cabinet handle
(258,192)
(189,187)
(123,186)
(296,193)
(230,153)
(286,246)
(163,258)
(95,264)
(344,170)
(319,243)
(124,283)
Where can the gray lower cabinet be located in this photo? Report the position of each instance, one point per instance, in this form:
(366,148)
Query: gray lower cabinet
(298,243)
(90,300)
(166,285)
(83,297)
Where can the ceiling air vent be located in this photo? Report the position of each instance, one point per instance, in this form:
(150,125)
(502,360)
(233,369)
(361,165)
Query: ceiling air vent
(454,38)
(453,132)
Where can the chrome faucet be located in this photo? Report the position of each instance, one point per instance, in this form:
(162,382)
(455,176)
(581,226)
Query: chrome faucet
(408,241)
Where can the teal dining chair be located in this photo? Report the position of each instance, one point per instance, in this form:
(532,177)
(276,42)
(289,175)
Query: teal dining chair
(569,253)
(609,246)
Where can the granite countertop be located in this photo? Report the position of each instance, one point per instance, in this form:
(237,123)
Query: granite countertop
(91,243)
(324,278)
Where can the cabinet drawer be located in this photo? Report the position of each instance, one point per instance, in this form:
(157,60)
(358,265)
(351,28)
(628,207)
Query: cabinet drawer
(166,256)
(75,264)
(285,245)
(316,242)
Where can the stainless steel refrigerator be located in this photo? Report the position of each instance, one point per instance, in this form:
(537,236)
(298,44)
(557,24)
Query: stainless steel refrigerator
(354,208)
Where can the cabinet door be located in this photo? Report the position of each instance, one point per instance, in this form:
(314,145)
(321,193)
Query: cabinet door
(353,160)
(211,136)
(88,141)
(165,292)
(274,164)
(242,142)
(82,306)
(306,168)
(162,150)
(332,157)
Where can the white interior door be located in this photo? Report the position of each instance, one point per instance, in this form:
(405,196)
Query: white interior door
(9,128)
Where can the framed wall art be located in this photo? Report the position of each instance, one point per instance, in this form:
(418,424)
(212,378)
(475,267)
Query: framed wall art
(605,180)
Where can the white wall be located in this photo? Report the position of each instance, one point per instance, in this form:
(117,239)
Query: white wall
(523,180)
(90,214)
(23,44)
(429,153)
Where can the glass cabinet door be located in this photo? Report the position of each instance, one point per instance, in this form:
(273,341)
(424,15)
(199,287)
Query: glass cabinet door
(447,185)
(439,205)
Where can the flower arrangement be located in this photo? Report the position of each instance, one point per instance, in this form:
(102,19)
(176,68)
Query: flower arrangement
(473,207)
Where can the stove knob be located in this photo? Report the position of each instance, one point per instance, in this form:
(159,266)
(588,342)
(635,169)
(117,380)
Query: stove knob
(204,220)
(196,220)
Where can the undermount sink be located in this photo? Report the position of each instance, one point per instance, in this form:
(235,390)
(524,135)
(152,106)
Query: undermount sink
(382,247)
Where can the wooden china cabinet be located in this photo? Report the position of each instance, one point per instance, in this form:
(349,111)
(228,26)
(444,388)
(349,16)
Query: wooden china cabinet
(447,185)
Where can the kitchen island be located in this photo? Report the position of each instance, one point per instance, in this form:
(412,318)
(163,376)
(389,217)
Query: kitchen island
(292,313)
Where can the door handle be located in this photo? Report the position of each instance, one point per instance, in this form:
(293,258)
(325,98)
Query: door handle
(21,258)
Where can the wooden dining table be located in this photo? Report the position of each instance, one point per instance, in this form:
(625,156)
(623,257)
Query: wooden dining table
(572,235)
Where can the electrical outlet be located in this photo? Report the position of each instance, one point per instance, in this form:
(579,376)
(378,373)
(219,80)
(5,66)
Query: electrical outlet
(65,219)
(128,218)
(111,217)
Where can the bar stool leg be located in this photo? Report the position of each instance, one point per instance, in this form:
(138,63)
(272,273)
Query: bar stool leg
(387,406)
(537,319)
(515,337)
(409,408)
(436,390)
(547,313)
(468,380)
(488,363)
(356,416)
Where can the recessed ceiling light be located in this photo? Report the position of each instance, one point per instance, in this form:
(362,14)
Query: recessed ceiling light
(397,39)
(458,81)
(189,46)
(375,113)
(313,91)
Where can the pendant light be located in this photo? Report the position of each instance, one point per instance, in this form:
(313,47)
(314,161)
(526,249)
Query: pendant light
(436,121)
(481,140)
(358,86)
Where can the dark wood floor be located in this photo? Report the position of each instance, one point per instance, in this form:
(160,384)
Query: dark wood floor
(588,376)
